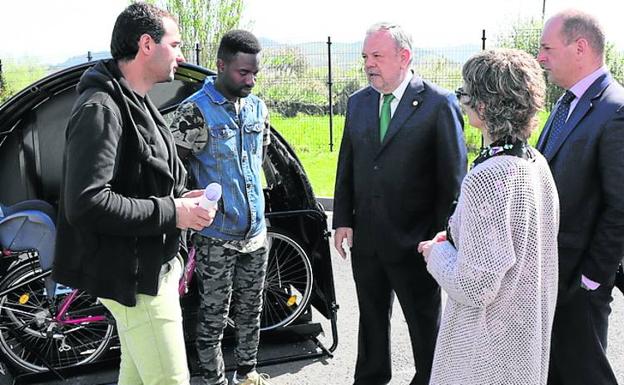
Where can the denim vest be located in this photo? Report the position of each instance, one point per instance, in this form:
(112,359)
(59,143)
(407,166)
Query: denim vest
(232,157)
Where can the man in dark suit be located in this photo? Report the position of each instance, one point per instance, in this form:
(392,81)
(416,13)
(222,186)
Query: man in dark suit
(401,163)
(583,141)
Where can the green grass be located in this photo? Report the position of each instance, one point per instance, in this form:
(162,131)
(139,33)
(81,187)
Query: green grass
(309,135)
(18,74)
(321,170)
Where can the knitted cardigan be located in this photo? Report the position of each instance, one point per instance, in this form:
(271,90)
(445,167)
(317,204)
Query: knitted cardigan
(501,276)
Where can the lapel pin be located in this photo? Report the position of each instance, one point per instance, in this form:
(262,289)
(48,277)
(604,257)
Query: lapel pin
(415,103)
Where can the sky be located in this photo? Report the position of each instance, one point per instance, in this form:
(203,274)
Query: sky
(53,30)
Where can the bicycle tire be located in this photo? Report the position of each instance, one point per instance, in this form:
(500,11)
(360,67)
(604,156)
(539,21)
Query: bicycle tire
(29,337)
(288,283)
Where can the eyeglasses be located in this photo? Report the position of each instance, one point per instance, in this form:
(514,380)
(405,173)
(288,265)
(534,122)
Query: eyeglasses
(460,92)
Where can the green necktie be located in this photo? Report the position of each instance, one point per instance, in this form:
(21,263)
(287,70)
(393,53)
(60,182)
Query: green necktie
(384,118)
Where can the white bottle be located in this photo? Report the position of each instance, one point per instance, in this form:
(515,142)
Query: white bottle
(212,194)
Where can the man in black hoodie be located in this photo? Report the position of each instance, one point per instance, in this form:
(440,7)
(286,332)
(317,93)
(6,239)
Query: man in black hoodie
(122,201)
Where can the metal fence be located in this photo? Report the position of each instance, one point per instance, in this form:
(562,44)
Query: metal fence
(306,86)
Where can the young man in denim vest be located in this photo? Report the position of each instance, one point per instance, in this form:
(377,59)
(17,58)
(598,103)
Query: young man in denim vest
(223,130)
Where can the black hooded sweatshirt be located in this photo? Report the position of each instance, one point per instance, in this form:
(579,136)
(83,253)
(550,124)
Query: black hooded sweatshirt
(117,217)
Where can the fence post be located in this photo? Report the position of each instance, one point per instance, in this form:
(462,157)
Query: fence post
(197,51)
(483,41)
(331,104)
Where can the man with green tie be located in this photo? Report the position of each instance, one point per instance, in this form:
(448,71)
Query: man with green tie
(401,163)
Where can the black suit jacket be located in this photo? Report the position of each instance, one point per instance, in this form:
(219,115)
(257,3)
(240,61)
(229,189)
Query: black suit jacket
(396,193)
(587,163)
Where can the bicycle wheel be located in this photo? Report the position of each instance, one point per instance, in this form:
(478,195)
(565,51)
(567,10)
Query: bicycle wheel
(288,282)
(32,340)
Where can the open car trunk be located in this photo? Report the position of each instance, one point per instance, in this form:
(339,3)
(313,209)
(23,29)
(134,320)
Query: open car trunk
(32,140)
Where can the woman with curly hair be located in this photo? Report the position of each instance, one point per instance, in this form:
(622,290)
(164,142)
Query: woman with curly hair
(497,261)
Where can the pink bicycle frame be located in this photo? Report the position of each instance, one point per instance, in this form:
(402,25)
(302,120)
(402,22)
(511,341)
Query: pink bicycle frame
(67,301)
(185,281)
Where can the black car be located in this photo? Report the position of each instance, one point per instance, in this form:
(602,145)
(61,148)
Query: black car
(32,140)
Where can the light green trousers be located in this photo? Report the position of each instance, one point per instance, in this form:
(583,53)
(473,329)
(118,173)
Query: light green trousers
(151,336)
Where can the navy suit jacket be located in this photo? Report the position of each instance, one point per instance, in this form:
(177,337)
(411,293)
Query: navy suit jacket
(587,163)
(399,192)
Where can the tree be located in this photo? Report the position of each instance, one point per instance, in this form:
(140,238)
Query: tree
(5,92)
(525,35)
(614,60)
(203,22)
(283,62)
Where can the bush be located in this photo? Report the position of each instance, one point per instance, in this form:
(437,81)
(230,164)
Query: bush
(18,74)
(439,70)
(308,96)
(289,86)
(5,89)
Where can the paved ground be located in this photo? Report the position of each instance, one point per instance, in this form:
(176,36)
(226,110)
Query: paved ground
(339,370)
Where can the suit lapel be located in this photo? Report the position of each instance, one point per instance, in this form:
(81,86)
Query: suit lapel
(371,117)
(583,106)
(410,101)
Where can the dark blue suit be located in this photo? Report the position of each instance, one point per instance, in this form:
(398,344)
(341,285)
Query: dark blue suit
(395,194)
(587,163)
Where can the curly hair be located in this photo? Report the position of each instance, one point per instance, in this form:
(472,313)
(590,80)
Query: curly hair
(506,88)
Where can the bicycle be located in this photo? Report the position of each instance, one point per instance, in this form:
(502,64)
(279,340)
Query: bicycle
(288,282)
(40,334)
(45,326)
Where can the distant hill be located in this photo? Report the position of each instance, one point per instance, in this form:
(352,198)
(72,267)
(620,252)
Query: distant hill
(348,55)
(344,55)
(75,60)
(456,54)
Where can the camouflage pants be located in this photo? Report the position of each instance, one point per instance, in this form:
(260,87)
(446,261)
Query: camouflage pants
(230,282)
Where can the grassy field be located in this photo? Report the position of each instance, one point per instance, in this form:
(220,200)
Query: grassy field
(309,135)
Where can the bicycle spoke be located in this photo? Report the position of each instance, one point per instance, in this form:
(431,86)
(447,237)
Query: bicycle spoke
(35,340)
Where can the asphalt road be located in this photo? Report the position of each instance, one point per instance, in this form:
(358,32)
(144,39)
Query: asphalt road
(339,369)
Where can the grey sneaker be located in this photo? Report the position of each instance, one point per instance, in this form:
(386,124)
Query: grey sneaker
(252,378)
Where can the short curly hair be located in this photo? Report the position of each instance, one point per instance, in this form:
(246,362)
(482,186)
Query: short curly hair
(235,41)
(506,88)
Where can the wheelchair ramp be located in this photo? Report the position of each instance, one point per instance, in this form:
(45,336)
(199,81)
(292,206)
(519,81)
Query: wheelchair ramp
(291,343)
